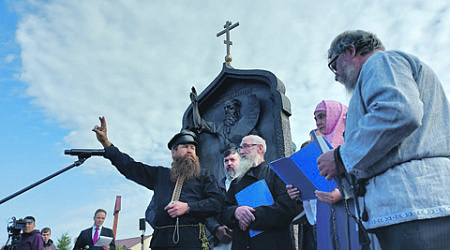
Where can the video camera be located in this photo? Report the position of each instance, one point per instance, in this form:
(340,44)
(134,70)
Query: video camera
(14,227)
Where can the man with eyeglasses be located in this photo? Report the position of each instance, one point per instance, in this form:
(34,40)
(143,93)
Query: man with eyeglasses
(273,220)
(397,147)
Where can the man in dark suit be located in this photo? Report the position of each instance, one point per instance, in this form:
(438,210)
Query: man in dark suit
(90,236)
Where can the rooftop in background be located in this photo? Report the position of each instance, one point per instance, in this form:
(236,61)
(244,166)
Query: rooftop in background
(134,242)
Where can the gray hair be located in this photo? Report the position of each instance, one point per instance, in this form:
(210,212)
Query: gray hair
(257,140)
(364,42)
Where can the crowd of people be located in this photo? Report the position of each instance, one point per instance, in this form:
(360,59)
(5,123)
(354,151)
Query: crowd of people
(390,145)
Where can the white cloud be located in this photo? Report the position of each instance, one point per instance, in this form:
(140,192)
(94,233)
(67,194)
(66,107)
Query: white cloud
(135,62)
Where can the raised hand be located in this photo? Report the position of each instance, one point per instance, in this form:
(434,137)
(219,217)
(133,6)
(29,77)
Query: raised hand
(193,95)
(101,132)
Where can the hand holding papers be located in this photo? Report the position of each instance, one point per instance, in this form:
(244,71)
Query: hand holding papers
(103,241)
(300,170)
(255,195)
(342,182)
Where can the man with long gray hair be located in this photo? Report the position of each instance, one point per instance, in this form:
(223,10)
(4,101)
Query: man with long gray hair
(397,147)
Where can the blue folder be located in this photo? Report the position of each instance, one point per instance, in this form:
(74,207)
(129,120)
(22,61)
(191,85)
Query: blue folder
(300,170)
(255,195)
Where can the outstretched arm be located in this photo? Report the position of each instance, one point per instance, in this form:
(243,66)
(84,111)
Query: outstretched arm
(101,132)
(199,123)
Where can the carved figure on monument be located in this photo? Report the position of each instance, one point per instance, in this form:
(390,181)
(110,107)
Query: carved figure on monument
(236,123)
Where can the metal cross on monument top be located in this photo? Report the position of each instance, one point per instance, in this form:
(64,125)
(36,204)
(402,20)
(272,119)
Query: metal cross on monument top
(228,26)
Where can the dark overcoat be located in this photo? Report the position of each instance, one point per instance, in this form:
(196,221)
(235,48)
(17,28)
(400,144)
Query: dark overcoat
(202,194)
(273,220)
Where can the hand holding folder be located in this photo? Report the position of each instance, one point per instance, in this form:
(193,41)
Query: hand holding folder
(255,195)
(300,170)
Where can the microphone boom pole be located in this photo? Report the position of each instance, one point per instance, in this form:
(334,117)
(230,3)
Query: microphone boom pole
(81,159)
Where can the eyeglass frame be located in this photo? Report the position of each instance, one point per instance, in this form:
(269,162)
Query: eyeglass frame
(245,147)
(330,64)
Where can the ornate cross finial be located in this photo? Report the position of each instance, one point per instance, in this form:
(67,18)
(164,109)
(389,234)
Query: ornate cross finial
(228,26)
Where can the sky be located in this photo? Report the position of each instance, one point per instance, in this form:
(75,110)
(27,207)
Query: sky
(64,63)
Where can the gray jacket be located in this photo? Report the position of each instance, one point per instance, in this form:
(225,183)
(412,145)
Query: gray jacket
(397,137)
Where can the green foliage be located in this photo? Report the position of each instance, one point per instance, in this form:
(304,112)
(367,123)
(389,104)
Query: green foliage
(64,242)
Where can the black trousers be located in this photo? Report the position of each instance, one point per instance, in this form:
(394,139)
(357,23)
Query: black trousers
(418,234)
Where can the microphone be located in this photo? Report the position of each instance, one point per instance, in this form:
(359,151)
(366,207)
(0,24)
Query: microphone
(85,152)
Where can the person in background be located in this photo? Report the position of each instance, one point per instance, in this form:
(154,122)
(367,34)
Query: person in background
(89,236)
(31,238)
(221,234)
(46,233)
(397,148)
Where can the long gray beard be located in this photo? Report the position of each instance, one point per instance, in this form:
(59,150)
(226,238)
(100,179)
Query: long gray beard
(348,84)
(352,77)
(245,165)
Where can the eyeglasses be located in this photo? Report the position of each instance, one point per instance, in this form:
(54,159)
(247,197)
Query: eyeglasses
(332,65)
(245,147)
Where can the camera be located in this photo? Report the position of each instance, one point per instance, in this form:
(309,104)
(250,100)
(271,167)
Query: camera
(14,227)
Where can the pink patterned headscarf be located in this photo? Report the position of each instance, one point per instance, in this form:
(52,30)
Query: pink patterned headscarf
(336,113)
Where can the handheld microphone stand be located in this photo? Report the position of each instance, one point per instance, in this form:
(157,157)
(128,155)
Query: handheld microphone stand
(81,159)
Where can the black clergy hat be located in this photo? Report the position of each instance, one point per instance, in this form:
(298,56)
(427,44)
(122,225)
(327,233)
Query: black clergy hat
(184,137)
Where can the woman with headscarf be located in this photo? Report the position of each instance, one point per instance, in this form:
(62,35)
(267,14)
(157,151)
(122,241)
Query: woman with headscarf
(335,229)
(330,122)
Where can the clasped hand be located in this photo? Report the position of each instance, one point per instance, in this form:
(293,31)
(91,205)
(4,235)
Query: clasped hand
(244,214)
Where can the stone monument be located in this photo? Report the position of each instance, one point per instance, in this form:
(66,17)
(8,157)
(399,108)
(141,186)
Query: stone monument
(238,103)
